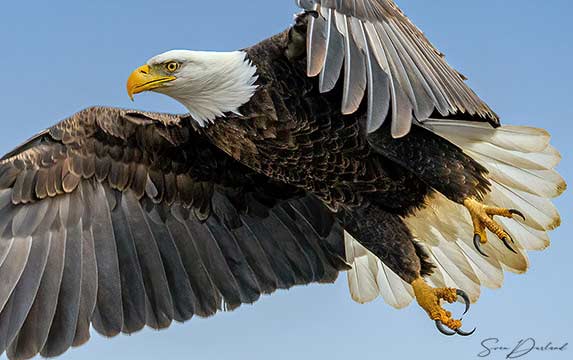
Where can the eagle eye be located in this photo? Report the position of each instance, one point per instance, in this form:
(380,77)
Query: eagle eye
(172,66)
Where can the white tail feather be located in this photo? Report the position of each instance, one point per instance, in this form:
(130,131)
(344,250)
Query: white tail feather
(370,278)
(361,278)
(521,165)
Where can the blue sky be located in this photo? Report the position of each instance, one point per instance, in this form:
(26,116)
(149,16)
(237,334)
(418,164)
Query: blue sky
(58,57)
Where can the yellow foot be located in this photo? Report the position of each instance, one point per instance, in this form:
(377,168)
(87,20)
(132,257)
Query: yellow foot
(430,300)
(482,218)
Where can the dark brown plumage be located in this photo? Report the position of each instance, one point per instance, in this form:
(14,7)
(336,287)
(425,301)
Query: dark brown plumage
(298,135)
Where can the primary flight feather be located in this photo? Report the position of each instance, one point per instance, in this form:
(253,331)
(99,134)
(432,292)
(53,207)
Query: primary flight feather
(344,143)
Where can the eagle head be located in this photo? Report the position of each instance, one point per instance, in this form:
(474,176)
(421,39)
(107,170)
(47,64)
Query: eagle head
(208,84)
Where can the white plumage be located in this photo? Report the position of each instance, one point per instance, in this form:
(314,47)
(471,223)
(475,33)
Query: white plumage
(370,278)
(209,84)
(521,165)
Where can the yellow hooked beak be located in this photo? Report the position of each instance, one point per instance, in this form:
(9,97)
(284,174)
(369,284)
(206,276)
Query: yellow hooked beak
(143,79)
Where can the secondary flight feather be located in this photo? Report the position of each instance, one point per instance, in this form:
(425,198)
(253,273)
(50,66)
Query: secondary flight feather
(344,143)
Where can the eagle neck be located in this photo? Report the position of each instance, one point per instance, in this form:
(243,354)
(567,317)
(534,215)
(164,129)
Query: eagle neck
(222,86)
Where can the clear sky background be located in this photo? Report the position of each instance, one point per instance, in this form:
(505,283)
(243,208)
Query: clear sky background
(57,57)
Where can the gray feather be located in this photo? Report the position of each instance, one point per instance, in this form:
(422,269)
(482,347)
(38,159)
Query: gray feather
(354,72)
(238,266)
(208,298)
(16,310)
(378,92)
(27,218)
(34,332)
(179,285)
(334,58)
(214,262)
(132,286)
(258,261)
(12,268)
(316,45)
(150,261)
(278,260)
(62,331)
(88,288)
(422,98)
(108,314)
(421,81)
(303,240)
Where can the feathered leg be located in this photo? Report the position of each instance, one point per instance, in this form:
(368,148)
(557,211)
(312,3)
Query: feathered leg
(448,169)
(387,237)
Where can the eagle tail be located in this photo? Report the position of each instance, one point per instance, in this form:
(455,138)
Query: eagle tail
(521,164)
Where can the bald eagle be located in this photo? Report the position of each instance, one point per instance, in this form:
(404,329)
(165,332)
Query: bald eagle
(344,143)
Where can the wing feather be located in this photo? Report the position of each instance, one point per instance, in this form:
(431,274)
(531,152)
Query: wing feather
(354,70)
(151,265)
(16,310)
(285,272)
(247,284)
(208,297)
(257,259)
(214,263)
(67,311)
(286,241)
(317,45)
(421,81)
(317,267)
(108,313)
(12,268)
(179,284)
(132,284)
(332,66)
(88,288)
(34,333)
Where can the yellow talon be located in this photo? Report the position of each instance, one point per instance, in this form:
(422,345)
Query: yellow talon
(482,219)
(429,299)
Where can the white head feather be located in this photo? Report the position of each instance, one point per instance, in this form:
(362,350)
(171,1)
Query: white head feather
(209,84)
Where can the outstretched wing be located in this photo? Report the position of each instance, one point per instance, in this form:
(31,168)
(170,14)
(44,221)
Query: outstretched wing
(390,59)
(124,219)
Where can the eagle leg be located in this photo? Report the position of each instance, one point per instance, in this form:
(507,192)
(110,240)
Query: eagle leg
(430,300)
(482,218)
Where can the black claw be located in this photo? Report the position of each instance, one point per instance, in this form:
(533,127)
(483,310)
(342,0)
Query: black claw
(443,330)
(508,245)
(518,213)
(463,333)
(462,294)
(477,244)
